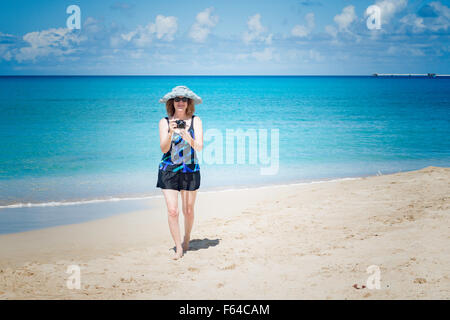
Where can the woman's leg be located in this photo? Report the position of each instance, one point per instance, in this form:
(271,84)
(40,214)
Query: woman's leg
(188,201)
(171,197)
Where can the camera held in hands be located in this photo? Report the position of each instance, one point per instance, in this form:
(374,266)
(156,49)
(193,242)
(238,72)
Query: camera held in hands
(181,124)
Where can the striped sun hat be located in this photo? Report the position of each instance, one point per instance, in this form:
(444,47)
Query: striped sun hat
(181,91)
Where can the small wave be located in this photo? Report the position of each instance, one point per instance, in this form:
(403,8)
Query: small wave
(71,203)
(211,190)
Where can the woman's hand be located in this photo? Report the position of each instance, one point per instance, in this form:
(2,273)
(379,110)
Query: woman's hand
(172,126)
(185,135)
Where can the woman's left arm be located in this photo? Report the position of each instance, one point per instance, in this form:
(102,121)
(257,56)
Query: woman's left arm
(196,143)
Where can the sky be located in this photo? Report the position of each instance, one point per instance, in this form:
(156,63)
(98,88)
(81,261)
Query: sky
(224,37)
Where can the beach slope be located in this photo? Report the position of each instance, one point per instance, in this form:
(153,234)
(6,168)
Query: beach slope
(330,240)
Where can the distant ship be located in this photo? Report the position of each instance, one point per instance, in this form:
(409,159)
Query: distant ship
(428,75)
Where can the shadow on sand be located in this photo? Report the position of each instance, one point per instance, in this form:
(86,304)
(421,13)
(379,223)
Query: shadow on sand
(197,244)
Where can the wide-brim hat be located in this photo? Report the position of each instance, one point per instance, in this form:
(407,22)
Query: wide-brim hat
(181,91)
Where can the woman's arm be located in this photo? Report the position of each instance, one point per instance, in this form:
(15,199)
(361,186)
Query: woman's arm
(165,138)
(197,143)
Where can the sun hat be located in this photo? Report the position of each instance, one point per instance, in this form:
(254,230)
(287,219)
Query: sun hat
(181,91)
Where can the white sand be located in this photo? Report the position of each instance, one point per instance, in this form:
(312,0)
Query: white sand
(311,241)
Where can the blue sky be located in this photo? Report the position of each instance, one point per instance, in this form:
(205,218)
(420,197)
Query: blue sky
(224,37)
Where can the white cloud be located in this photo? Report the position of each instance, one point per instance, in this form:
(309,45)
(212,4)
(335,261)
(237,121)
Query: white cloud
(439,21)
(5,53)
(6,42)
(343,21)
(141,37)
(137,54)
(404,51)
(315,55)
(163,28)
(267,54)
(388,8)
(310,20)
(51,37)
(56,42)
(5,35)
(305,56)
(121,6)
(256,31)
(442,21)
(91,25)
(346,17)
(205,18)
(302,31)
(331,30)
(414,22)
(165,58)
(203,24)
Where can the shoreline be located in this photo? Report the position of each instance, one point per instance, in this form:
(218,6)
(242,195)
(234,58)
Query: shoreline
(62,203)
(316,239)
(103,206)
(156,192)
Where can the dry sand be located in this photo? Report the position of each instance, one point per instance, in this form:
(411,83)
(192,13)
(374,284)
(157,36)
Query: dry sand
(304,241)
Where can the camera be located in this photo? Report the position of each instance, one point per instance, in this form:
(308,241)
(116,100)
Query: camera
(181,124)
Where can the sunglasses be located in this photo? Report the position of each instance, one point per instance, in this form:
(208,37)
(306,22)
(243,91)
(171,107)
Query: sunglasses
(178,99)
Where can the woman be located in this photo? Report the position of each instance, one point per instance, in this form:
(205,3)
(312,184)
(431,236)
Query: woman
(179,170)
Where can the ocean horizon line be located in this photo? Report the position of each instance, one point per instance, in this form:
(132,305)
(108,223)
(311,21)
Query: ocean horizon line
(197,75)
(438,76)
(186,75)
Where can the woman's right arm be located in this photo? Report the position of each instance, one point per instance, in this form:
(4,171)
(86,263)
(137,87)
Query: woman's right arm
(165,138)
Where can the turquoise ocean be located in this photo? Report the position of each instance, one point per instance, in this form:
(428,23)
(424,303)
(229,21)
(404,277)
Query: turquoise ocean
(79,148)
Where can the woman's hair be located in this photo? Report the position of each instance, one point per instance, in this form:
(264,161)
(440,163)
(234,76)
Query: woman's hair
(171,108)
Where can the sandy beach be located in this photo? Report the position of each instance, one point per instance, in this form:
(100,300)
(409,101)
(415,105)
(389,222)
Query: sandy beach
(302,241)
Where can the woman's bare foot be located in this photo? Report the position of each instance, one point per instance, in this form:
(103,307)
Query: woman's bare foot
(178,253)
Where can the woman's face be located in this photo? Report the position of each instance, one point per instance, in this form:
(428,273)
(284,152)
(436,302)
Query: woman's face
(180,106)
